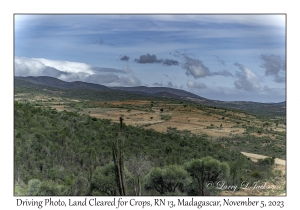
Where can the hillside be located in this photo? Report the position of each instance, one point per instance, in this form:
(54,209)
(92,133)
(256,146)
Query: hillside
(89,91)
(159,90)
(63,152)
(56,83)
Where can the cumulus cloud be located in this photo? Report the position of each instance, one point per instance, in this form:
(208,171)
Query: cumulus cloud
(148,59)
(33,67)
(195,67)
(273,65)
(152,59)
(124,58)
(192,84)
(247,79)
(73,71)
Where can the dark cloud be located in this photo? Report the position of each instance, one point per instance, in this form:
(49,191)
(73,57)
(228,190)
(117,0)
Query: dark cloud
(148,59)
(170,62)
(124,58)
(247,79)
(192,84)
(220,61)
(152,59)
(273,65)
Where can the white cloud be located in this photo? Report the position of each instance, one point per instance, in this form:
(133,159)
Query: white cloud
(196,68)
(73,71)
(33,67)
(248,80)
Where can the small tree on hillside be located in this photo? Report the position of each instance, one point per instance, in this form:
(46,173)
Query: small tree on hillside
(167,179)
(205,171)
(138,166)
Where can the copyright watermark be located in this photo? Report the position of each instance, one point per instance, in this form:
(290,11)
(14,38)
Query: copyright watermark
(224,185)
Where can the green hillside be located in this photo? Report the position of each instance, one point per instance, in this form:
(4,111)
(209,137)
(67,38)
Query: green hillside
(65,153)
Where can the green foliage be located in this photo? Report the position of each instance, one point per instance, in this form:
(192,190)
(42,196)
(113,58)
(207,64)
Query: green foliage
(267,162)
(104,180)
(166,179)
(64,149)
(33,186)
(259,145)
(80,187)
(49,188)
(206,170)
(255,174)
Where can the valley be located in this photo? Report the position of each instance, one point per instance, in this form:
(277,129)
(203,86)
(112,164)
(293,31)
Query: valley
(256,136)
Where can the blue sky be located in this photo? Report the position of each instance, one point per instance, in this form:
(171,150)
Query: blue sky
(221,57)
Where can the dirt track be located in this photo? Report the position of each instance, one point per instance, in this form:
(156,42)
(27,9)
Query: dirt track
(255,157)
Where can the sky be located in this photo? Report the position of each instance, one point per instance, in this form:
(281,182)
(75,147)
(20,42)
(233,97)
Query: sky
(220,57)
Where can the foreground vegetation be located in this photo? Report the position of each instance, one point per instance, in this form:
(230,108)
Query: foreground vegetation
(67,153)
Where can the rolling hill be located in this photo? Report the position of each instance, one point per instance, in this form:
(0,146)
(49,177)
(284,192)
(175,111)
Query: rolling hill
(90,91)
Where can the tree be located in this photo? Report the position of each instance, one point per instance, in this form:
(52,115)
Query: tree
(206,170)
(138,166)
(236,168)
(49,188)
(118,157)
(104,180)
(33,186)
(166,179)
(80,187)
(121,122)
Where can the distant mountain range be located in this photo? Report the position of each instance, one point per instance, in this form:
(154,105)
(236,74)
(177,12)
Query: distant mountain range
(54,82)
(165,92)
